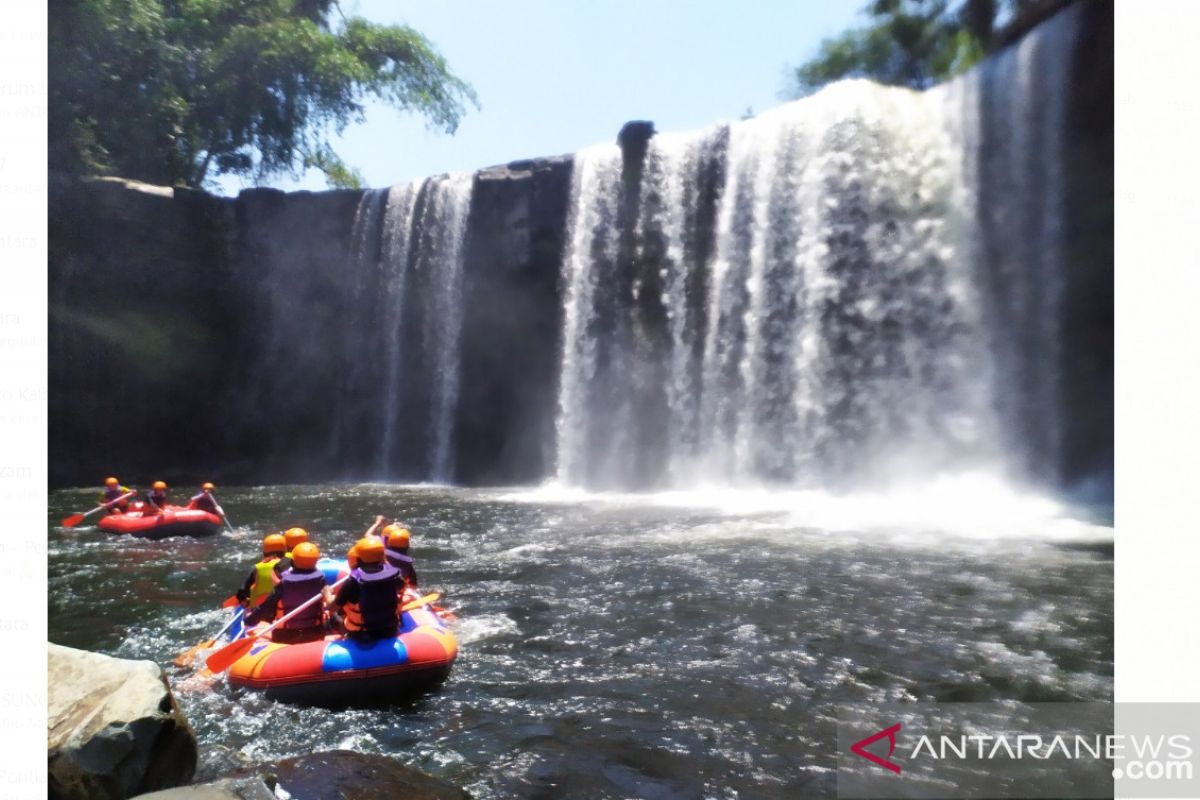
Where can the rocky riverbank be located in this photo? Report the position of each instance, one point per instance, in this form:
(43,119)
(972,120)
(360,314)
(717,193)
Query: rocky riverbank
(115,731)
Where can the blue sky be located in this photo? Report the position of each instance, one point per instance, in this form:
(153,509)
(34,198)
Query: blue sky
(553,77)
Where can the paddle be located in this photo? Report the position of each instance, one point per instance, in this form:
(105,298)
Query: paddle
(75,519)
(223,659)
(424,601)
(232,601)
(185,659)
(221,511)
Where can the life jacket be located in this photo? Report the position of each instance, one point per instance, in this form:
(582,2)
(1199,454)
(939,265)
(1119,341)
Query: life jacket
(157,499)
(404,563)
(295,587)
(377,606)
(108,495)
(263,585)
(203,501)
(281,567)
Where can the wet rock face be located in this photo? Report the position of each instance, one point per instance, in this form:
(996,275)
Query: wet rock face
(511,319)
(114,728)
(344,773)
(228,789)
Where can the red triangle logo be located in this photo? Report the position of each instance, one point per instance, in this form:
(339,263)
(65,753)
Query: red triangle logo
(860,747)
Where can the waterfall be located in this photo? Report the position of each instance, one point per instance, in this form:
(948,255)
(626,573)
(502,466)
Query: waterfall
(863,284)
(402,311)
(397,232)
(590,245)
(449,203)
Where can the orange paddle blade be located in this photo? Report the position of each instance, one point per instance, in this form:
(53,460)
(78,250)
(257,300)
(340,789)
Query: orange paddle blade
(223,659)
(424,601)
(230,601)
(72,521)
(185,659)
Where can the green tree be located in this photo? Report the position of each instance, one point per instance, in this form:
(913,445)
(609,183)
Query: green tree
(913,43)
(180,91)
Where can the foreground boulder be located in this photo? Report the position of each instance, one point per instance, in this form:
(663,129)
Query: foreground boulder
(344,773)
(114,728)
(227,789)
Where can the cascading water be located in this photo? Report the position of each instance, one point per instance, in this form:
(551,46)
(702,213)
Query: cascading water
(442,255)
(873,299)
(403,300)
(397,230)
(591,241)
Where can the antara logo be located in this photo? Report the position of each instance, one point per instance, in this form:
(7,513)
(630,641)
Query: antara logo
(860,747)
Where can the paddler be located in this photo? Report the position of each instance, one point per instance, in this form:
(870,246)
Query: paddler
(395,542)
(205,500)
(292,537)
(369,533)
(368,601)
(259,583)
(113,490)
(299,582)
(156,500)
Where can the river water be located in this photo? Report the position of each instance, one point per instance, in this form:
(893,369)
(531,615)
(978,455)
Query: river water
(657,646)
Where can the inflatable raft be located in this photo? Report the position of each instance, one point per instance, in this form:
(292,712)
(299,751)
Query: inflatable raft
(338,672)
(174,521)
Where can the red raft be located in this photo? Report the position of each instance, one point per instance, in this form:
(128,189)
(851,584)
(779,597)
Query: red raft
(174,521)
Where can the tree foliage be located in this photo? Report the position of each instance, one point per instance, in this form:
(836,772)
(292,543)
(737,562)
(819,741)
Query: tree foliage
(180,91)
(913,43)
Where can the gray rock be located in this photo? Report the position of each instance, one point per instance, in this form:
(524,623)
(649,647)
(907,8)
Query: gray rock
(227,789)
(114,728)
(343,773)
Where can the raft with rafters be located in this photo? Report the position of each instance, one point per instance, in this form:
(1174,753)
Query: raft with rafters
(174,521)
(340,672)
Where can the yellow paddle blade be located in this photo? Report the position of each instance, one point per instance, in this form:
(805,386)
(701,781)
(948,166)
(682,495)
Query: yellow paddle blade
(424,601)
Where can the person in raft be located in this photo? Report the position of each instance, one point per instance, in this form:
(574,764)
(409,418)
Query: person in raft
(368,601)
(156,500)
(301,581)
(260,582)
(205,500)
(369,533)
(395,542)
(292,537)
(112,490)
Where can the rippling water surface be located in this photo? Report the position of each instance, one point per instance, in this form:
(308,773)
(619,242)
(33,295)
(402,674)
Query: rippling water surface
(624,646)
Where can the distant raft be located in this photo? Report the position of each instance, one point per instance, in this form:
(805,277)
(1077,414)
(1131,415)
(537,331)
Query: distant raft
(174,521)
(337,672)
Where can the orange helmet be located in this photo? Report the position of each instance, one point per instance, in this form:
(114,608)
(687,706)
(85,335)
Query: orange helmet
(352,556)
(207,487)
(295,536)
(305,555)
(160,486)
(111,482)
(275,543)
(395,536)
(369,550)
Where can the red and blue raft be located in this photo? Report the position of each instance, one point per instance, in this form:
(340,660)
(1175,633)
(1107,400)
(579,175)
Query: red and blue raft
(339,672)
